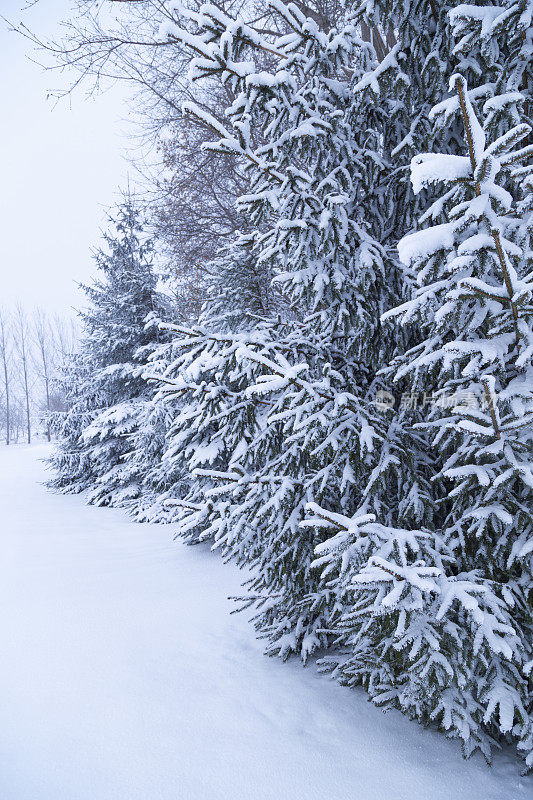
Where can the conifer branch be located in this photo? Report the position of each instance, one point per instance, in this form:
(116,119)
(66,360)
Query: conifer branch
(460,87)
(492,410)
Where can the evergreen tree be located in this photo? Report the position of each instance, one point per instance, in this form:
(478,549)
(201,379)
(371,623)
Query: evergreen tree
(70,461)
(440,623)
(107,390)
(428,629)
(282,412)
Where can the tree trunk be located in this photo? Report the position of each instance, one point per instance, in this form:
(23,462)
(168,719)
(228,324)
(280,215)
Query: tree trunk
(6,385)
(47,385)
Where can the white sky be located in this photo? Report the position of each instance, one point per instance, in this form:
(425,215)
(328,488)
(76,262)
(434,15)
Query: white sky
(61,166)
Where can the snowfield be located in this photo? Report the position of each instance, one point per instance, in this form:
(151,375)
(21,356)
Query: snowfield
(124,677)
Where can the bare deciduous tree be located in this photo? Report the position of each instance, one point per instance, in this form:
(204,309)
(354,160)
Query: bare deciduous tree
(21,336)
(34,348)
(6,372)
(43,355)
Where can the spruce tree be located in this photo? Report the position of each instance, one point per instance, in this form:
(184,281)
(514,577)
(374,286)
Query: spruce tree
(440,622)
(108,391)
(282,412)
(70,461)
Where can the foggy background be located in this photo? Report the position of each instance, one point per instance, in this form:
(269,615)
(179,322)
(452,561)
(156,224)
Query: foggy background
(62,163)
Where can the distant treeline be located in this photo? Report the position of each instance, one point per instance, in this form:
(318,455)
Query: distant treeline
(33,347)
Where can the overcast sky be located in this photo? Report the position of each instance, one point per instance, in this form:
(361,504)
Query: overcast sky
(61,168)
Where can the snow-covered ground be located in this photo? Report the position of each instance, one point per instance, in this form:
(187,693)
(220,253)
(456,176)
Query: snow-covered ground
(124,677)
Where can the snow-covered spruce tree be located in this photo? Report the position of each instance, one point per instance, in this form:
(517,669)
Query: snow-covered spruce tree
(495,41)
(70,461)
(282,413)
(200,382)
(441,621)
(109,394)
